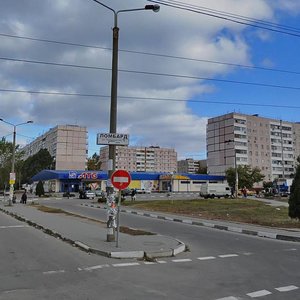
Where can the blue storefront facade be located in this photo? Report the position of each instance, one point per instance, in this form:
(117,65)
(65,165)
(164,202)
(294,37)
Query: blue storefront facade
(75,180)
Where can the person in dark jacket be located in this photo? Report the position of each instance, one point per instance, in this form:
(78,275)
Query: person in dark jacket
(24,197)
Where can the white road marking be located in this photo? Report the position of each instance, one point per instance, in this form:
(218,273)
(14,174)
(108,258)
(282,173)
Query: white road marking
(181,260)
(206,257)
(93,268)
(13,226)
(257,294)
(53,272)
(228,298)
(228,255)
(161,261)
(287,288)
(125,264)
(247,253)
(291,249)
(150,263)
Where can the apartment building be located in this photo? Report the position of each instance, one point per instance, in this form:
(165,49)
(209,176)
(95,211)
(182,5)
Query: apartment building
(269,144)
(141,159)
(190,165)
(67,144)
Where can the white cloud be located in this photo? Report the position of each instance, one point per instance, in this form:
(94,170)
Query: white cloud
(171,31)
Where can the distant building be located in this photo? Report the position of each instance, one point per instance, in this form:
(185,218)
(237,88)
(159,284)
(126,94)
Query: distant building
(269,144)
(190,165)
(67,144)
(141,159)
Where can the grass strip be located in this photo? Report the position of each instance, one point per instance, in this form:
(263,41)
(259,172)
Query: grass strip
(235,210)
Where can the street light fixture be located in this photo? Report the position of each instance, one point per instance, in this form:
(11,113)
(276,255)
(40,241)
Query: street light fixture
(11,191)
(114,77)
(114,92)
(236,187)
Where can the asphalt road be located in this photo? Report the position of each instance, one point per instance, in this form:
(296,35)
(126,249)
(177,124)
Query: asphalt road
(220,265)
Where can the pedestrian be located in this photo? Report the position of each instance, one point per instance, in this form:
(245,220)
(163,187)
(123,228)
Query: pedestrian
(244,191)
(24,197)
(133,195)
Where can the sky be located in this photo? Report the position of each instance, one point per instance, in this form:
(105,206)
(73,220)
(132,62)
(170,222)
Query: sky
(177,68)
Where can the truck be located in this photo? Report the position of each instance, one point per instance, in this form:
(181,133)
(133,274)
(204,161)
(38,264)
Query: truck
(215,190)
(283,186)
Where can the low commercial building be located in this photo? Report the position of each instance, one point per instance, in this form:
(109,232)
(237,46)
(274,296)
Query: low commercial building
(72,181)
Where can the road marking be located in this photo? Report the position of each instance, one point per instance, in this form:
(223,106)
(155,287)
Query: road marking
(53,272)
(228,298)
(287,288)
(13,226)
(181,260)
(150,263)
(291,249)
(161,261)
(257,294)
(93,268)
(228,255)
(125,264)
(206,257)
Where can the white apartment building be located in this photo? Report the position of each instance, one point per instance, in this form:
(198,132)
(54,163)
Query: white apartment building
(269,144)
(189,165)
(67,144)
(141,159)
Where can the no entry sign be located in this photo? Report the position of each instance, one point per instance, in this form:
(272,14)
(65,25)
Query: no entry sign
(120,179)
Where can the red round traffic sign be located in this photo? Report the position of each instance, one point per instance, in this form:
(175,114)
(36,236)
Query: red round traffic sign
(120,179)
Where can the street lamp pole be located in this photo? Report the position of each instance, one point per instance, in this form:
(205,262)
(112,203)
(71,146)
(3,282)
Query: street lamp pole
(11,191)
(114,78)
(114,97)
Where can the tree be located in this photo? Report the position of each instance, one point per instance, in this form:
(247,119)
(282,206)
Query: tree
(246,176)
(36,163)
(94,162)
(39,191)
(294,200)
(6,149)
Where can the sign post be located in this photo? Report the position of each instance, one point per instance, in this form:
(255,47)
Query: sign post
(120,179)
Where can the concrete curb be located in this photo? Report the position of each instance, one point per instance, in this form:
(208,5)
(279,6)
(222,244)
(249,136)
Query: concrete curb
(230,228)
(113,254)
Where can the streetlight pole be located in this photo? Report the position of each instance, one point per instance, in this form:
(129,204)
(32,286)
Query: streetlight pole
(12,176)
(236,185)
(114,78)
(114,95)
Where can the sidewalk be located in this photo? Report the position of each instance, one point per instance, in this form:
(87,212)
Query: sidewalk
(286,234)
(91,236)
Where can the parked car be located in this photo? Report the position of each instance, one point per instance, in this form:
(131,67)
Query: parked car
(90,194)
(143,191)
(126,192)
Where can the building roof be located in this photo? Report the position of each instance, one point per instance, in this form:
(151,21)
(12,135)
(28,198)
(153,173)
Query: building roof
(103,175)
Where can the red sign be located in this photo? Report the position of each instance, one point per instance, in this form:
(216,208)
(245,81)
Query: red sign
(120,179)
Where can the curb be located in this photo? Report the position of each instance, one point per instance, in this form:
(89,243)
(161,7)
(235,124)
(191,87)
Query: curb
(113,254)
(230,228)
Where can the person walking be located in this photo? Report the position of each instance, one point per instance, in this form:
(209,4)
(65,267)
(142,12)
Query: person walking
(133,194)
(24,198)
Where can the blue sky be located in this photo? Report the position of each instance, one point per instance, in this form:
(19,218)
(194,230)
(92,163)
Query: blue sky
(171,32)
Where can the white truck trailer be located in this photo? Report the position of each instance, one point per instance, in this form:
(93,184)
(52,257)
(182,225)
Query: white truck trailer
(215,190)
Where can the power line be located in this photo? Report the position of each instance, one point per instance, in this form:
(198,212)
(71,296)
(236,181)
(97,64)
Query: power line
(223,13)
(155,74)
(151,98)
(152,54)
(210,14)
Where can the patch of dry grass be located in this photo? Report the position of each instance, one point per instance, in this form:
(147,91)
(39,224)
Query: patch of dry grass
(238,210)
